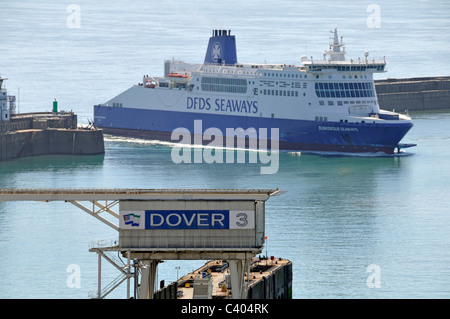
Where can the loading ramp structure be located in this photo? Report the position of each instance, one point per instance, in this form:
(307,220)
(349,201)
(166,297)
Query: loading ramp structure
(167,224)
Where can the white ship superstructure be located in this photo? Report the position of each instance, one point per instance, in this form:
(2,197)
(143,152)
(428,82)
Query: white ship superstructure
(329,104)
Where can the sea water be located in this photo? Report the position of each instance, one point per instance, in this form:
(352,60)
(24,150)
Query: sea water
(353,226)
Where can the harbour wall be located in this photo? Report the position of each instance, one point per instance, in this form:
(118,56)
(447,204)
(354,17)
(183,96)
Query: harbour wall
(39,120)
(47,134)
(414,94)
(35,142)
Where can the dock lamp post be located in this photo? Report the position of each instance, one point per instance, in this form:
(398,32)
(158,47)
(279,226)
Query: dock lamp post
(177,268)
(136,269)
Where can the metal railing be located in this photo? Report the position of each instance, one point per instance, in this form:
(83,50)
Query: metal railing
(104,243)
(93,294)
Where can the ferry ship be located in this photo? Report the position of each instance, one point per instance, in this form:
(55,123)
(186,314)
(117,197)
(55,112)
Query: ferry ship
(324,105)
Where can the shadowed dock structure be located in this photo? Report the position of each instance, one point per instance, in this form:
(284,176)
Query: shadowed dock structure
(175,224)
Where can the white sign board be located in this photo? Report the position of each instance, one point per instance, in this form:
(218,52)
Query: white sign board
(192,224)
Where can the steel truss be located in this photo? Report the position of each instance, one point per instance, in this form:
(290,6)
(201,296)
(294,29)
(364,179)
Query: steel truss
(144,262)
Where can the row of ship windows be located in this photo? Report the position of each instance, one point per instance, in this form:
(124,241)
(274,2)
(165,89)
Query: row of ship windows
(360,89)
(359,68)
(288,75)
(224,88)
(282,84)
(340,103)
(280,92)
(223,81)
(230,85)
(242,89)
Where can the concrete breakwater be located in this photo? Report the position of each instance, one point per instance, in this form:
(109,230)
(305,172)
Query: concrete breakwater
(47,134)
(414,94)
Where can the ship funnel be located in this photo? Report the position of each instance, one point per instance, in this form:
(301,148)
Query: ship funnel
(221,48)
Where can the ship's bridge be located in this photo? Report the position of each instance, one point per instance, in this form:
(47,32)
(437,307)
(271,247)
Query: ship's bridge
(345,66)
(334,60)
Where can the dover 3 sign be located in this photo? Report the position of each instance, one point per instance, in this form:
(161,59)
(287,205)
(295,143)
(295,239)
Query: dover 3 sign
(188,219)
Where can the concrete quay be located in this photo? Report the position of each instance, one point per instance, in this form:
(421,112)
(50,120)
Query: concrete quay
(414,94)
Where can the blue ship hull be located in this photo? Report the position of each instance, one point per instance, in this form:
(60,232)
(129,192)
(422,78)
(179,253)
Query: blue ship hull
(300,135)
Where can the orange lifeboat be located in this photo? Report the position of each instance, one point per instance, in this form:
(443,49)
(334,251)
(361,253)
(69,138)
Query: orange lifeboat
(150,84)
(176,75)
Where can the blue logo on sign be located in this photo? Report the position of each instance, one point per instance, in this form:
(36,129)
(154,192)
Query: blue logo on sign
(187,219)
(131,219)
